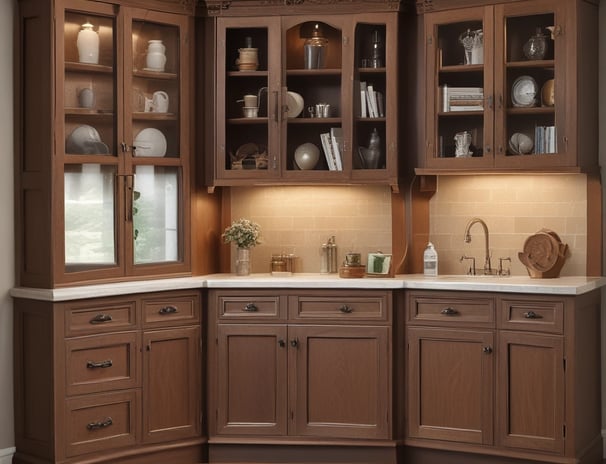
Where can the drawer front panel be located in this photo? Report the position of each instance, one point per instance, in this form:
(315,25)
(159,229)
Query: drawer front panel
(248,306)
(101,318)
(532,315)
(102,363)
(171,309)
(373,306)
(426,309)
(101,422)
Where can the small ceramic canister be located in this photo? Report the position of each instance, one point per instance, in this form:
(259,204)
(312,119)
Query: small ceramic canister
(86,98)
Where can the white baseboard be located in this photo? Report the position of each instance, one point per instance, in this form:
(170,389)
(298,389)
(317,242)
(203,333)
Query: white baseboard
(6,455)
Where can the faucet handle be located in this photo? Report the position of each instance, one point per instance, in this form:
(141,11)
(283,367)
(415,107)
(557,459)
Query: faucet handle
(501,271)
(472,269)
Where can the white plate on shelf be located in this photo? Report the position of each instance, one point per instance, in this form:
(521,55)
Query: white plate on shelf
(150,142)
(524,92)
(295,104)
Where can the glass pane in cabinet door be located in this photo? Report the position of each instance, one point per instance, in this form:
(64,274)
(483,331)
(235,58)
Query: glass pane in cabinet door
(370,98)
(89,89)
(90,232)
(460,102)
(531,123)
(155,90)
(247,99)
(156,218)
(313,97)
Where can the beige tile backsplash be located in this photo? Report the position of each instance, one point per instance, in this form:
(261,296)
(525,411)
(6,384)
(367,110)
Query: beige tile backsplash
(513,207)
(299,219)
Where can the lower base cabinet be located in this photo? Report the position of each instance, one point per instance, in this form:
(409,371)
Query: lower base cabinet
(300,368)
(109,380)
(497,378)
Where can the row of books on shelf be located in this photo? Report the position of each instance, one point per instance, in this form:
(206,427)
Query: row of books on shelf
(332,144)
(461,98)
(372,102)
(545,140)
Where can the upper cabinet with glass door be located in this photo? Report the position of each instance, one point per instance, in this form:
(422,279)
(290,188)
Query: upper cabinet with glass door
(502,89)
(120,152)
(288,97)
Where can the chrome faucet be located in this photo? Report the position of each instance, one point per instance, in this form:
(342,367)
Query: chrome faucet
(467,238)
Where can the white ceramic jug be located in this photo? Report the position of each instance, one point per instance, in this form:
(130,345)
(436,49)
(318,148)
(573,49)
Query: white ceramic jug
(159,102)
(156,57)
(88,45)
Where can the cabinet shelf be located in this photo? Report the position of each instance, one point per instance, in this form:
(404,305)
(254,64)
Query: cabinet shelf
(460,68)
(246,73)
(458,114)
(314,120)
(86,67)
(247,121)
(155,75)
(313,72)
(532,110)
(148,116)
(550,64)
(87,112)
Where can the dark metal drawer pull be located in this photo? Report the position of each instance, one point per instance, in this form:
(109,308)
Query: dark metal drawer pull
(100,319)
(168,310)
(294,342)
(449,311)
(532,315)
(99,365)
(346,309)
(487,349)
(250,308)
(100,425)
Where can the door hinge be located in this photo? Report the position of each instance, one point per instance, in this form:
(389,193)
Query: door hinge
(564,430)
(292,415)
(564,363)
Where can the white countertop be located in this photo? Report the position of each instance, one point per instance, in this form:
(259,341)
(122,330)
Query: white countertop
(513,284)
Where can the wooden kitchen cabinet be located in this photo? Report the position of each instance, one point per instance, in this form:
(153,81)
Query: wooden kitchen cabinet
(504,376)
(300,365)
(261,149)
(500,90)
(103,171)
(116,376)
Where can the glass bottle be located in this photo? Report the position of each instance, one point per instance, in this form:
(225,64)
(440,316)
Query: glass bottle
(376,57)
(315,49)
(536,47)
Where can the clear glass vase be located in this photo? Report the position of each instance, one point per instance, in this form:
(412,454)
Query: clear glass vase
(242,261)
(536,47)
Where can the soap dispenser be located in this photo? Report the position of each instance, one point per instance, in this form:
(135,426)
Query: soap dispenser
(430,261)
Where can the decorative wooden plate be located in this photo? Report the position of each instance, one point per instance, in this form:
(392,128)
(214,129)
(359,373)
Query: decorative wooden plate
(544,254)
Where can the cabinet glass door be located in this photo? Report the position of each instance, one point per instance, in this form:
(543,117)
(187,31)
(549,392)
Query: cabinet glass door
(313,97)
(530,131)
(154,132)
(87,120)
(156,218)
(460,126)
(248,110)
(374,138)
(90,228)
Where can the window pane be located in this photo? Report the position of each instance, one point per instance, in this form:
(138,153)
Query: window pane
(156,214)
(89,215)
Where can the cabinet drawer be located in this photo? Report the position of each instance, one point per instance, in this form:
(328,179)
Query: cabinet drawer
(536,315)
(100,317)
(249,306)
(100,422)
(171,309)
(449,309)
(102,363)
(371,306)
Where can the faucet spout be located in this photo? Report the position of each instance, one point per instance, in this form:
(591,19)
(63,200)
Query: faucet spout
(467,239)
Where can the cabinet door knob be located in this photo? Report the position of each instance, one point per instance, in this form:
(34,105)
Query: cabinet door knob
(281,343)
(487,350)
(532,315)
(99,365)
(250,308)
(100,319)
(346,309)
(449,311)
(294,342)
(168,310)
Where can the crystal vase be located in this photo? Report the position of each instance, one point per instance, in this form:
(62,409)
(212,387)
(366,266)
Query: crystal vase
(242,261)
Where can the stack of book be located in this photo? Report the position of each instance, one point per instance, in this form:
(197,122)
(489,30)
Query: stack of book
(545,140)
(332,144)
(372,102)
(462,98)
